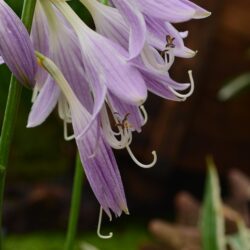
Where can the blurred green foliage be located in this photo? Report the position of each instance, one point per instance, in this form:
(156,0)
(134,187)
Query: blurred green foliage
(234,87)
(131,238)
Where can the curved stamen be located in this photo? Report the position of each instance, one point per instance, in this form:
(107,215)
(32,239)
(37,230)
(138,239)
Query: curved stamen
(105,237)
(65,132)
(184,96)
(139,163)
(145,115)
(111,136)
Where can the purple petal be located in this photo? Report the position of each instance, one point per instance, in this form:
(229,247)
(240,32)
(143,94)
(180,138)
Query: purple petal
(170,10)
(136,23)
(121,78)
(102,171)
(199,11)
(40,40)
(66,53)
(109,23)
(105,58)
(44,104)
(157,31)
(159,82)
(15,46)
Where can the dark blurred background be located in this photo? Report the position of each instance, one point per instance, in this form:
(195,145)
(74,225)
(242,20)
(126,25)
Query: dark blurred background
(41,166)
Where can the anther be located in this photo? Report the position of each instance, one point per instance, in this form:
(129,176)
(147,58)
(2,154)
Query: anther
(150,165)
(105,237)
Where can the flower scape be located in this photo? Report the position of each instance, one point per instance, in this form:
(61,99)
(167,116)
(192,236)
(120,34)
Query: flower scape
(99,77)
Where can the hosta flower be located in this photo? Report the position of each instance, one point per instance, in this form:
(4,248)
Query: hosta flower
(16,49)
(110,23)
(76,105)
(93,74)
(173,11)
(158,16)
(103,56)
(98,78)
(99,163)
(126,88)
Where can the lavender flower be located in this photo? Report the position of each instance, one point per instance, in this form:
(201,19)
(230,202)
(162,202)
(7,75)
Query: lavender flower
(16,49)
(90,74)
(100,166)
(110,23)
(158,16)
(125,84)
(88,82)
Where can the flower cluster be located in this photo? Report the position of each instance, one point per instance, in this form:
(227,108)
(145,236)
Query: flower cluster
(99,78)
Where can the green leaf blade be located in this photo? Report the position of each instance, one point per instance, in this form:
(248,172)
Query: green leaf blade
(212,220)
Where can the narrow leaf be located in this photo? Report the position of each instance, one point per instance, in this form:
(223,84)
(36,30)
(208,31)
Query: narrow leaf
(234,87)
(212,220)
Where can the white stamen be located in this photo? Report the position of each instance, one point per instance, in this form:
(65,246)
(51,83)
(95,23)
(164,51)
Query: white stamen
(65,132)
(145,115)
(169,58)
(105,237)
(117,140)
(35,94)
(184,96)
(139,163)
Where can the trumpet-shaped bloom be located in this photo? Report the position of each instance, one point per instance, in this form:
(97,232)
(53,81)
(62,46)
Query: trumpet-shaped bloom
(94,77)
(110,23)
(103,56)
(174,11)
(158,16)
(122,78)
(16,49)
(99,163)
(81,101)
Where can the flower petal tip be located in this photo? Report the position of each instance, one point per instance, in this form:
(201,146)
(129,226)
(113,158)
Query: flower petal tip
(202,14)
(30,125)
(126,211)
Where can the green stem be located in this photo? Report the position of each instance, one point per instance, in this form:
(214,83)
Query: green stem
(75,205)
(10,114)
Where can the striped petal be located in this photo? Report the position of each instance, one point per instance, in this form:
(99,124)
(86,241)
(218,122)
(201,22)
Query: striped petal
(174,11)
(15,46)
(44,103)
(102,171)
(136,23)
(105,58)
(40,40)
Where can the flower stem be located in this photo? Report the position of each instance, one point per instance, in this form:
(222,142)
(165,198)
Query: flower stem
(13,100)
(75,205)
